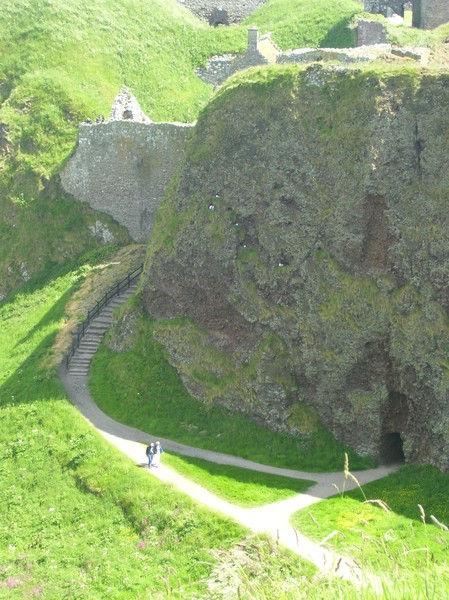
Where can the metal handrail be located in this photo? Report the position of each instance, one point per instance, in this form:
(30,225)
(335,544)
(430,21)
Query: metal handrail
(122,285)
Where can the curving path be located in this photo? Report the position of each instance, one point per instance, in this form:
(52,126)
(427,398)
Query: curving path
(272,519)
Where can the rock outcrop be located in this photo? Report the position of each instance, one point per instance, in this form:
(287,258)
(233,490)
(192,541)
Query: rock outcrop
(306,247)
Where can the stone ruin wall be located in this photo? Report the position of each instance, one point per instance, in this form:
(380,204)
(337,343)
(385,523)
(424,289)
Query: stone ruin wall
(263,51)
(385,7)
(431,13)
(370,32)
(371,41)
(220,68)
(123,168)
(427,14)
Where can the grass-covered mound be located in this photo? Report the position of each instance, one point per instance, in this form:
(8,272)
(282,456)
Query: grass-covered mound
(62,63)
(302,24)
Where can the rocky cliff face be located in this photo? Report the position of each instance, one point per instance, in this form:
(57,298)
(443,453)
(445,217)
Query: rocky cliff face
(306,247)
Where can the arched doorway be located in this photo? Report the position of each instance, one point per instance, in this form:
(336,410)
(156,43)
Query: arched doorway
(392,450)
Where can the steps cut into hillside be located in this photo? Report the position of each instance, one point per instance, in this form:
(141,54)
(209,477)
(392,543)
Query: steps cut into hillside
(80,362)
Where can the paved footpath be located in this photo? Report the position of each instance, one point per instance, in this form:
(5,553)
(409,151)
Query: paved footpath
(271,519)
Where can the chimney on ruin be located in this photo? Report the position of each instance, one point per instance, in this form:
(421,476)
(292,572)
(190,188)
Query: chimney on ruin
(253,39)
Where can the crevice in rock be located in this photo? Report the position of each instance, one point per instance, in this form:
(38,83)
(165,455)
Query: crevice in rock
(377,237)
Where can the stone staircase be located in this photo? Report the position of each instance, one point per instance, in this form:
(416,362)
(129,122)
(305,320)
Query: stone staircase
(80,362)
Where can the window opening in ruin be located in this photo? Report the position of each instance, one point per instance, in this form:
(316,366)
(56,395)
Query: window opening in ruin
(392,449)
(407,13)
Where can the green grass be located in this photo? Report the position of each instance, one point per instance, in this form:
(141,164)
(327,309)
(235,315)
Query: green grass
(301,23)
(400,538)
(78,519)
(75,511)
(238,486)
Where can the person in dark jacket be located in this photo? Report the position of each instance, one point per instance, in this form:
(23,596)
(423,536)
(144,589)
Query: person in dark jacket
(150,454)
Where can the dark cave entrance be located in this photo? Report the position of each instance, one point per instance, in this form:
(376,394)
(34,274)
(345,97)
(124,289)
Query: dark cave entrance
(218,16)
(392,450)
(395,421)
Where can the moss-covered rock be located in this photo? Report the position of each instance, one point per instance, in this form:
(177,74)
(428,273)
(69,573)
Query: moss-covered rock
(306,239)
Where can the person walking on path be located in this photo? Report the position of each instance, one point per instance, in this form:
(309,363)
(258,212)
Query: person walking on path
(157,454)
(150,454)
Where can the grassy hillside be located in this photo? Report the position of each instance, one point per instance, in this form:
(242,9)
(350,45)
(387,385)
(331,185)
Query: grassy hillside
(77,518)
(64,62)
(396,524)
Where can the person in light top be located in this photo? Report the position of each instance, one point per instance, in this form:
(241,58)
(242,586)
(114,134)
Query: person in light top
(157,454)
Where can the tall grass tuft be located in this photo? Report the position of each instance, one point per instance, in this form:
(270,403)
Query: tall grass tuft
(391,537)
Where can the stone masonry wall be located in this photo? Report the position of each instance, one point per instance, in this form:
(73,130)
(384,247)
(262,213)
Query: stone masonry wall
(385,7)
(432,13)
(260,51)
(370,32)
(123,168)
(427,14)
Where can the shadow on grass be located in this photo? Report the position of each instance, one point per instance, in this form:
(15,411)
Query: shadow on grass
(340,36)
(52,316)
(29,380)
(202,470)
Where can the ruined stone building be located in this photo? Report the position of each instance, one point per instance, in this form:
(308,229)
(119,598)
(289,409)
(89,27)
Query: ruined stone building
(427,14)
(122,166)
(372,43)
(260,51)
